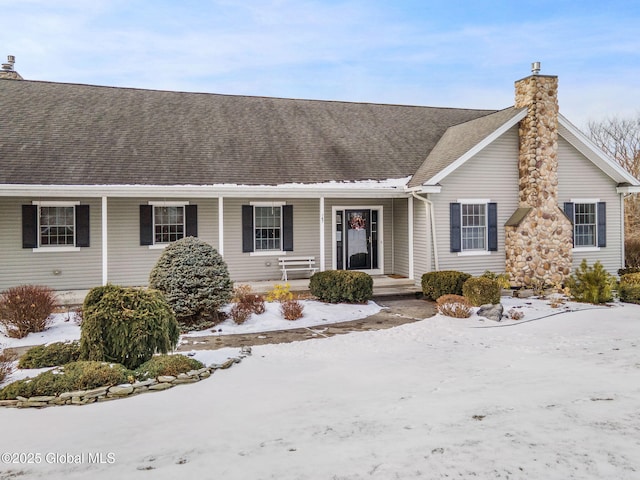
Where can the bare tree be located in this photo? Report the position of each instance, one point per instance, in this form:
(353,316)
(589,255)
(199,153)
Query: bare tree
(620,139)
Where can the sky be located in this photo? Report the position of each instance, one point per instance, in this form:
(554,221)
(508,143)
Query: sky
(437,53)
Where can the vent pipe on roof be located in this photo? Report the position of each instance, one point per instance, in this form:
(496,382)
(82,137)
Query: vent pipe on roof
(11,60)
(535,68)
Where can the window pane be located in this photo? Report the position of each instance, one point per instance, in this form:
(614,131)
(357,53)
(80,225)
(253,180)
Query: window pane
(57,226)
(473,226)
(168,224)
(584,233)
(267,228)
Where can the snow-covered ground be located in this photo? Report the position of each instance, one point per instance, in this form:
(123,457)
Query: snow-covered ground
(547,397)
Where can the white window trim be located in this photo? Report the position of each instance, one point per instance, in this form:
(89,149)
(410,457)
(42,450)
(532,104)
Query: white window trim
(590,248)
(267,253)
(476,201)
(55,248)
(158,203)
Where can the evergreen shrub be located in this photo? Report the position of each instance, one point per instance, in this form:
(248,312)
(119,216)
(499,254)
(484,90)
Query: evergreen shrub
(481,291)
(591,284)
(167,365)
(629,289)
(52,355)
(26,309)
(445,282)
(126,325)
(82,375)
(341,286)
(194,279)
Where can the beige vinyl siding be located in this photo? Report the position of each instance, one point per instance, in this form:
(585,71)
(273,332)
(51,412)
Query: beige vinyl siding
(400,236)
(422,243)
(248,267)
(579,178)
(18,266)
(129,262)
(492,174)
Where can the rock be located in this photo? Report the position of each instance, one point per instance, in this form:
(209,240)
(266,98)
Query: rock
(96,392)
(121,390)
(166,378)
(179,381)
(205,374)
(8,403)
(161,386)
(28,404)
(42,398)
(491,312)
(145,383)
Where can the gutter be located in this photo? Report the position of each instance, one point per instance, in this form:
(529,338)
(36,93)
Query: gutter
(429,212)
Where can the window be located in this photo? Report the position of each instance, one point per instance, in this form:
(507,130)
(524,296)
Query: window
(473,226)
(55,225)
(589,222)
(168,224)
(267,227)
(164,222)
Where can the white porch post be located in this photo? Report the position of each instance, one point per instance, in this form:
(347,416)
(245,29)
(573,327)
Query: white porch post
(410,222)
(221,226)
(322,243)
(105,253)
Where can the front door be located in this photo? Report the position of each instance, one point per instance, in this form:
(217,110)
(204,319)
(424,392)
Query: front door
(357,239)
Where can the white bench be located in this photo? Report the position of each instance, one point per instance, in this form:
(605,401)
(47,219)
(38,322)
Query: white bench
(292,264)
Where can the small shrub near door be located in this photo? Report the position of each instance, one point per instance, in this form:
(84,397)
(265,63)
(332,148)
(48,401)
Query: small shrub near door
(591,284)
(445,282)
(291,309)
(630,288)
(26,309)
(481,291)
(126,325)
(245,303)
(453,306)
(341,286)
(194,279)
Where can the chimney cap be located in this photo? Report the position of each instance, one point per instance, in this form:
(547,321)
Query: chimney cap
(11,60)
(535,68)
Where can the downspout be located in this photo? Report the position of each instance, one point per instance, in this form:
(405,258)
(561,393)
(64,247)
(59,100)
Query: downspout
(429,212)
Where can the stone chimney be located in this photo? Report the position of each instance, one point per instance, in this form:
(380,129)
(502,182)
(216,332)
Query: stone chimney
(7,71)
(538,238)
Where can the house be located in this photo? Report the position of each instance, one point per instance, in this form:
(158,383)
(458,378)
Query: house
(95,181)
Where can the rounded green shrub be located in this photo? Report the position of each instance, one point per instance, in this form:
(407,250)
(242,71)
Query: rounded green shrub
(445,282)
(52,355)
(126,325)
(194,279)
(629,289)
(82,375)
(341,286)
(481,291)
(167,365)
(591,284)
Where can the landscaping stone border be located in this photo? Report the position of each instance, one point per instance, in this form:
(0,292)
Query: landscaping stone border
(101,394)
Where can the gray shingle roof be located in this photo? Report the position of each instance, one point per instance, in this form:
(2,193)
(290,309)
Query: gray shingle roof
(69,134)
(458,140)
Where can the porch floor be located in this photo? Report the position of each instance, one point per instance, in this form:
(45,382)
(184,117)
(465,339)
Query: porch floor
(383,286)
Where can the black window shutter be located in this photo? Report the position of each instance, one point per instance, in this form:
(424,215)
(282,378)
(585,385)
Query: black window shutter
(191,220)
(569,212)
(287,227)
(247,228)
(146,224)
(29,226)
(492,222)
(82,225)
(602,224)
(456,232)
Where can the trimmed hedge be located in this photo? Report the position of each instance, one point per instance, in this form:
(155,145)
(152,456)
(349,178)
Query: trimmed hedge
(630,288)
(445,282)
(52,355)
(126,325)
(341,286)
(481,291)
(83,375)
